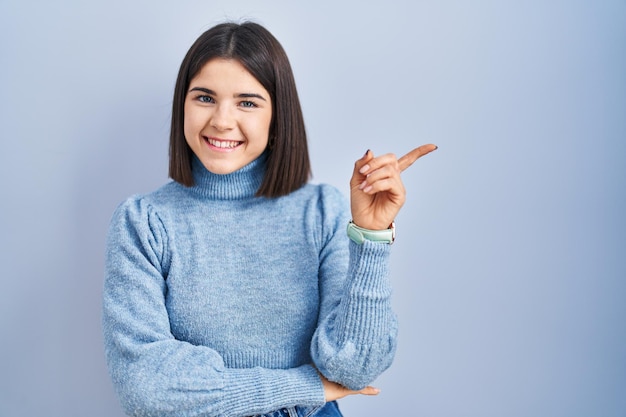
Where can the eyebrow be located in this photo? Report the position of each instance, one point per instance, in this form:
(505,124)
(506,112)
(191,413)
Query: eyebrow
(242,95)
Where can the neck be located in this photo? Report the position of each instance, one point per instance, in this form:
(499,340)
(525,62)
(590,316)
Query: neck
(237,185)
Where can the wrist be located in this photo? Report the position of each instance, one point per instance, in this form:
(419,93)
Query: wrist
(359,234)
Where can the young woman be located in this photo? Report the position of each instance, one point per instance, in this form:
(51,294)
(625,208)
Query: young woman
(240,289)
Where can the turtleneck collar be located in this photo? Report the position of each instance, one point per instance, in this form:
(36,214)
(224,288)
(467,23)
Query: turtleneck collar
(237,185)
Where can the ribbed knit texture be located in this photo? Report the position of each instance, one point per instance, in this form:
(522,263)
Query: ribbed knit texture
(219,303)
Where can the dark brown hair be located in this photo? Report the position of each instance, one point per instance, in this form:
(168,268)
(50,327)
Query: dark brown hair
(288,165)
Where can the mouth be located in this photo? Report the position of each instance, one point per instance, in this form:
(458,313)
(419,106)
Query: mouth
(222,143)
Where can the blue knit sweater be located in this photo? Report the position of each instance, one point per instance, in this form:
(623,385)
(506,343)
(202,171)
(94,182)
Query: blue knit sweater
(220,303)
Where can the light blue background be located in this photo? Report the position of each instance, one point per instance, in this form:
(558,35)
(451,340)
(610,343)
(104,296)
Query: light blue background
(510,265)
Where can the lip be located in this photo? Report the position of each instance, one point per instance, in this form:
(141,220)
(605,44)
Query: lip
(221,144)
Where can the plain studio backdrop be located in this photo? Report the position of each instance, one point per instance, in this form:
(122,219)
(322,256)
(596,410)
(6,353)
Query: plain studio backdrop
(509,270)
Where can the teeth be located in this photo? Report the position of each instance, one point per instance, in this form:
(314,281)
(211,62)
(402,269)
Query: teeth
(223,143)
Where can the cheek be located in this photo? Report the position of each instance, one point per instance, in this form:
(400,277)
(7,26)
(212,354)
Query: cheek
(264,126)
(191,123)
(262,135)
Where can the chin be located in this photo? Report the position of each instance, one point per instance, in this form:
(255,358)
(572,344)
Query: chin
(221,169)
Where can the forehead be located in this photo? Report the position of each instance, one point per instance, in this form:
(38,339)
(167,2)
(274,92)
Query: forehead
(227,74)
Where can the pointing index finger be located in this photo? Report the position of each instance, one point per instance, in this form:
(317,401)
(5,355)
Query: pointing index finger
(408,159)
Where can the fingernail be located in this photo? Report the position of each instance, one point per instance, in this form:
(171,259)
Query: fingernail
(366,153)
(436,147)
(367,189)
(364,169)
(362,185)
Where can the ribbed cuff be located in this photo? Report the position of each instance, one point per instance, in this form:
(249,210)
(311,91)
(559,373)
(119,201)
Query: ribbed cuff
(367,307)
(260,390)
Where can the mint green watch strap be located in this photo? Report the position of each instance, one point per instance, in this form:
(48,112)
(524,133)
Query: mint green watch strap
(359,234)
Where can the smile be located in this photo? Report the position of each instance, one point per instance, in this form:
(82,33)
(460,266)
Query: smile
(223,144)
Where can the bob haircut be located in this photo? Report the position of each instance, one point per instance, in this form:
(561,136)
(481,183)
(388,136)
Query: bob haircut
(253,46)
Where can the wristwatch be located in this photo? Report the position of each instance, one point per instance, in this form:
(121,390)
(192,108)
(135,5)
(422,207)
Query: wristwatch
(359,234)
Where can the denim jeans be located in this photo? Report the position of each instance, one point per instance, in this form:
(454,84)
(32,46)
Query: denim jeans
(330,409)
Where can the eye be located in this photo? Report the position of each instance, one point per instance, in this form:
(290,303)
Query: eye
(205,99)
(248,104)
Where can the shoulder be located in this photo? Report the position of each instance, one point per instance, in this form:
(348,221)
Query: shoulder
(323,197)
(326,204)
(158,199)
(331,199)
(325,193)
(146,210)
(139,223)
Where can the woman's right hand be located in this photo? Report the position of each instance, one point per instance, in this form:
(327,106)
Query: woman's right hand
(334,391)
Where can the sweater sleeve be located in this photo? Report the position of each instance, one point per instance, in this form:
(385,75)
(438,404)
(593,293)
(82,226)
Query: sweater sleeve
(153,373)
(356,336)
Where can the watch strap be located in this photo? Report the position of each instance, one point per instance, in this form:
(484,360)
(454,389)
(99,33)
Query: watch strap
(359,234)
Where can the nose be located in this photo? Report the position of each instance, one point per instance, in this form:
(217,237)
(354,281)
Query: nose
(222,118)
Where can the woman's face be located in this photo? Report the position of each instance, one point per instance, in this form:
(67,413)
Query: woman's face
(227,116)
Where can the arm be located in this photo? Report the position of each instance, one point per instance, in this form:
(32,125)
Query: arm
(356,334)
(153,373)
(356,338)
